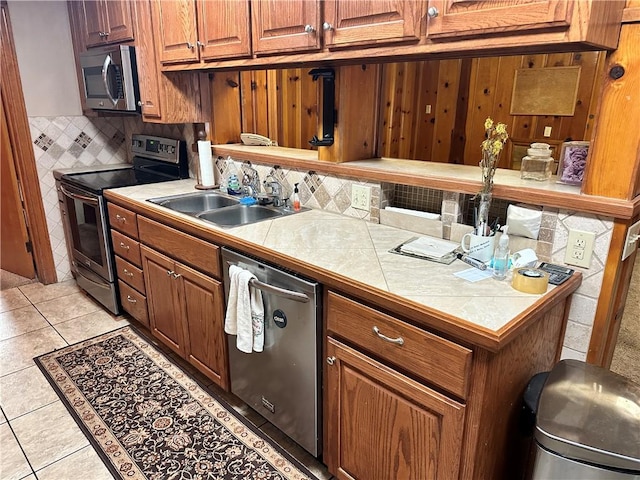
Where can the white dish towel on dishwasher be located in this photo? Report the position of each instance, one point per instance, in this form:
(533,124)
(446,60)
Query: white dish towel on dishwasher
(245,311)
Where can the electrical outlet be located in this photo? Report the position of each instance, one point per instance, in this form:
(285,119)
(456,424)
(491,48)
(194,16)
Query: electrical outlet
(631,242)
(579,248)
(360,197)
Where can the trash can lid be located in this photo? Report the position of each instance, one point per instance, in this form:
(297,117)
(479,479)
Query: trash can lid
(590,414)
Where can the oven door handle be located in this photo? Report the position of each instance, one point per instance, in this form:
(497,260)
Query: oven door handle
(105,71)
(278,291)
(83,198)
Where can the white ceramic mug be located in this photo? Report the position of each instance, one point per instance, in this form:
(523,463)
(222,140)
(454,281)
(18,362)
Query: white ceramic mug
(478,247)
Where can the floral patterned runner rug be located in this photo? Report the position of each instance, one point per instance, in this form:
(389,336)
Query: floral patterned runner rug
(148,420)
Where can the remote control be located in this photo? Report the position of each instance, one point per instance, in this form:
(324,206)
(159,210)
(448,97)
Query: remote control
(557,273)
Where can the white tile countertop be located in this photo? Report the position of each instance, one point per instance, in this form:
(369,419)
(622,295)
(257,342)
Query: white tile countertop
(358,251)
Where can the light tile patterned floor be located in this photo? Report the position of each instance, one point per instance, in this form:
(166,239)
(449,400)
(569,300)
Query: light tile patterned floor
(38,438)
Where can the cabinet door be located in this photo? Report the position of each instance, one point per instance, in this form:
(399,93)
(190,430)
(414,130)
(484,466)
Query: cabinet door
(223,29)
(174,23)
(94,22)
(118,20)
(147,65)
(466,18)
(203,313)
(383,425)
(163,299)
(285,25)
(364,22)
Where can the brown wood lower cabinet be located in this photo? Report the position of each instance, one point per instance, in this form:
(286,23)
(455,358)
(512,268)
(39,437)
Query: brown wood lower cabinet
(384,425)
(186,312)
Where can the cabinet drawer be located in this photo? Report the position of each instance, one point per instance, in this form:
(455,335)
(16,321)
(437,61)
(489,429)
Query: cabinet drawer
(434,359)
(183,247)
(134,303)
(126,247)
(130,274)
(123,220)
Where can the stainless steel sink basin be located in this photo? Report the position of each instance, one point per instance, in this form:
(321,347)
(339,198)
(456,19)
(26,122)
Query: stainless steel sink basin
(194,203)
(240,215)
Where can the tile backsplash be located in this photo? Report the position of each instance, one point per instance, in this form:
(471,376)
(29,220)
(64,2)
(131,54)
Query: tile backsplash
(70,142)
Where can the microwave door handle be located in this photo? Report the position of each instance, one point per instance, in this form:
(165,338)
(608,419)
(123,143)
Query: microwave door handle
(82,198)
(105,70)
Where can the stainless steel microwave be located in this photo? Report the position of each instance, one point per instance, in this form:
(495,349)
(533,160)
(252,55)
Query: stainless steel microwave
(110,78)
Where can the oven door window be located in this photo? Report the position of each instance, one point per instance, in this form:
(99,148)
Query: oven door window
(87,233)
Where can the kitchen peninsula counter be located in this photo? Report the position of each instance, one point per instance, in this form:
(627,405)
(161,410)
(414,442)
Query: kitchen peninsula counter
(352,256)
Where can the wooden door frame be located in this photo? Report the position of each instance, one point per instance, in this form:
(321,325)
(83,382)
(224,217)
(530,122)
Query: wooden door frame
(25,162)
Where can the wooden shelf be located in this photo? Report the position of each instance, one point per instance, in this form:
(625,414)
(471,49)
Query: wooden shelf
(442,176)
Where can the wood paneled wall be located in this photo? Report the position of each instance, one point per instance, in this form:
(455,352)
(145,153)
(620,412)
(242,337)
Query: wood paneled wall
(279,104)
(427,110)
(490,91)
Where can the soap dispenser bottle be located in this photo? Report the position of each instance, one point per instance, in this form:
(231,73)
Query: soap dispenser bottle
(295,198)
(501,256)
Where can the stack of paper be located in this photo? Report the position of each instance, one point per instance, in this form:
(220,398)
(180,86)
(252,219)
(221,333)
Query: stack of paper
(429,247)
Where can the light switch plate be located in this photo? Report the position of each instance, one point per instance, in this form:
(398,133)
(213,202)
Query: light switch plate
(547,132)
(360,197)
(631,242)
(579,248)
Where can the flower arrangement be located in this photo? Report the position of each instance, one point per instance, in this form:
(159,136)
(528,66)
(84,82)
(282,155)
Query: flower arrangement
(496,136)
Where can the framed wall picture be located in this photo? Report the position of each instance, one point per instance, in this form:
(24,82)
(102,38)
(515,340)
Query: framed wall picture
(573,160)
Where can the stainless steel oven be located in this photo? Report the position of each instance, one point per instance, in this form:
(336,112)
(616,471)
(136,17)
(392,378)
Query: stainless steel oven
(86,218)
(92,261)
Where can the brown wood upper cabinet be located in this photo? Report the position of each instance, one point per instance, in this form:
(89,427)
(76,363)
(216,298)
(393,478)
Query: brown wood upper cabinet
(351,23)
(449,18)
(189,31)
(281,27)
(103,21)
(284,26)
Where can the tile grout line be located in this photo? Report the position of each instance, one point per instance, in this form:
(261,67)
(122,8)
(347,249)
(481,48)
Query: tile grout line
(33,472)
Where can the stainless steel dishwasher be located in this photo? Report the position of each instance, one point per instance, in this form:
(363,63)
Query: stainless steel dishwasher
(282,382)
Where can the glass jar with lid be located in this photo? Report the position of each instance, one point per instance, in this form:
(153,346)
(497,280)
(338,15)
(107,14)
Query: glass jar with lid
(538,163)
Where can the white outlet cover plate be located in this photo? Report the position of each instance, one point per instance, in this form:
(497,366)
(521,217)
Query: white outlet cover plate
(577,237)
(631,242)
(361,197)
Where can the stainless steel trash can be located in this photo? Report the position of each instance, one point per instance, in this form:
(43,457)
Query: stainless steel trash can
(587,425)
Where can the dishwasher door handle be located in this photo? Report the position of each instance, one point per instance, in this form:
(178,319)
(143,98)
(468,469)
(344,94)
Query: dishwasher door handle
(280,292)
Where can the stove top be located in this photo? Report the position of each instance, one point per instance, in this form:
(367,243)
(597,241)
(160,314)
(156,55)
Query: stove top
(159,160)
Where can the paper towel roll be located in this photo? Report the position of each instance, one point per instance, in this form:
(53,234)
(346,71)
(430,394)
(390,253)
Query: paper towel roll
(205,163)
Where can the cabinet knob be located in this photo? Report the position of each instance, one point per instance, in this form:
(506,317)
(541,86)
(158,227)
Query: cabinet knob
(176,275)
(122,245)
(309,29)
(432,12)
(200,44)
(326,26)
(170,272)
(398,341)
(121,219)
(331,360)
(190,45)
(140,103)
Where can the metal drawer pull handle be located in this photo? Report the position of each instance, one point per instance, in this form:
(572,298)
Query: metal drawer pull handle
(331,360)
(170,272)
(176,275)
(121,219)
(126,247)
(127,273)
(130,299)
(399,340)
